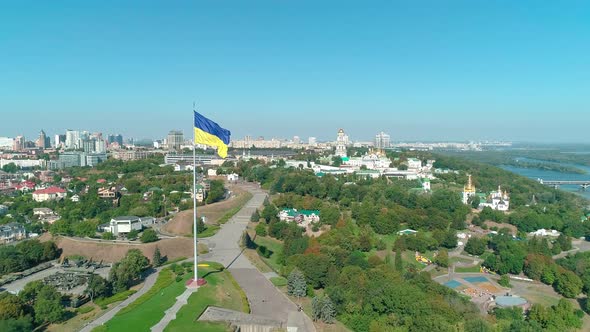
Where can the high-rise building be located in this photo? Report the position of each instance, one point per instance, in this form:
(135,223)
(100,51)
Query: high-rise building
(116,139)
(175,140)
(19,143)
(100,146)
(341,142)
(382,140)
(89,145)
(72,140)
(296,140)
(60,140)
(43,141)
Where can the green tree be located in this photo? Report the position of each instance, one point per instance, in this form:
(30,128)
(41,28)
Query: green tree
(269,213)
(11,306)
(316,309)
(296,284)
(48,307)
(450,240)
(336,161)
(149,235)
(399,264)
(216,192)
(504,281)
(565,242)
(10,168)
(328,310)
(22,324)
(442,259)
(128,270)
(568,284)
(255,216)
(98,287)
(476,246)
(157,258)
(261,230)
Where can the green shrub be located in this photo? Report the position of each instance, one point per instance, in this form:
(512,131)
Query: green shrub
(264,251)
(261,230)
(278,281)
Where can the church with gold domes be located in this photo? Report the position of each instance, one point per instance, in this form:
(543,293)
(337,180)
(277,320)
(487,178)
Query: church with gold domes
(496,200)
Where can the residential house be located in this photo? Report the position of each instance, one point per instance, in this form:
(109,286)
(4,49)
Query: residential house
(12,232)
(49,194)
(108,192)
(25,186)
(75,198)
(43,212)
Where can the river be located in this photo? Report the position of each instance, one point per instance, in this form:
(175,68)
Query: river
(535,174)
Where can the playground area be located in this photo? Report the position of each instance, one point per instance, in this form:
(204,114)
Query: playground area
(479,287)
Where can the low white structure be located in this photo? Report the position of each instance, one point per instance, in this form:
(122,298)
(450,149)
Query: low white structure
(147,221)
(43,212)
(75,198)
(299,216)
(545,232)
(211,172)
(123,225)
(180,167)
(426,184)
(414,164)
(233,177)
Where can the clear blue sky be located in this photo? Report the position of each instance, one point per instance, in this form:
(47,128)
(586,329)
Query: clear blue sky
(431,70)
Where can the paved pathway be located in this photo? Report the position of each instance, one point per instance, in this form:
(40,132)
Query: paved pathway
(170,314)
(265,299)
(150,280)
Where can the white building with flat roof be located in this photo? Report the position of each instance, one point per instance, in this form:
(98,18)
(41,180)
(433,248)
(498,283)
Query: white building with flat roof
(124,225)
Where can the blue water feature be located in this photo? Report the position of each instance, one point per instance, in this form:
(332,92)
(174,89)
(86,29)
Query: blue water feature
(510,301)
(452,284)
(476,280)
(534,173)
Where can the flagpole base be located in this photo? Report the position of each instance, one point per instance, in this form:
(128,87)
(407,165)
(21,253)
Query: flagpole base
(192,283)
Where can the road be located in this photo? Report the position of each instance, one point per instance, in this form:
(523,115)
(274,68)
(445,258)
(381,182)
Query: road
(265,299)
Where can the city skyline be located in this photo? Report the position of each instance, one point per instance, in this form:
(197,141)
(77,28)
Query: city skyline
(425,71)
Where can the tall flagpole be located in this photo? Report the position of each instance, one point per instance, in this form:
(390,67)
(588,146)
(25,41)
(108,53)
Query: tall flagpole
(196,243)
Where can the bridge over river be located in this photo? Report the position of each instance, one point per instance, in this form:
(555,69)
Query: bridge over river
(556,183)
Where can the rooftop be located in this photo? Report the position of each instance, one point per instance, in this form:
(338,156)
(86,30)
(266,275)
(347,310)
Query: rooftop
(123,218)
(50,190)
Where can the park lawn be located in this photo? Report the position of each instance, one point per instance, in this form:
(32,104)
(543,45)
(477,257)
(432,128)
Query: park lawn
(151,311)
(221,291)
(273,245)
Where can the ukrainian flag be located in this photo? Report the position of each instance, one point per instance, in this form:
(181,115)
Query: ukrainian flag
(210,133)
